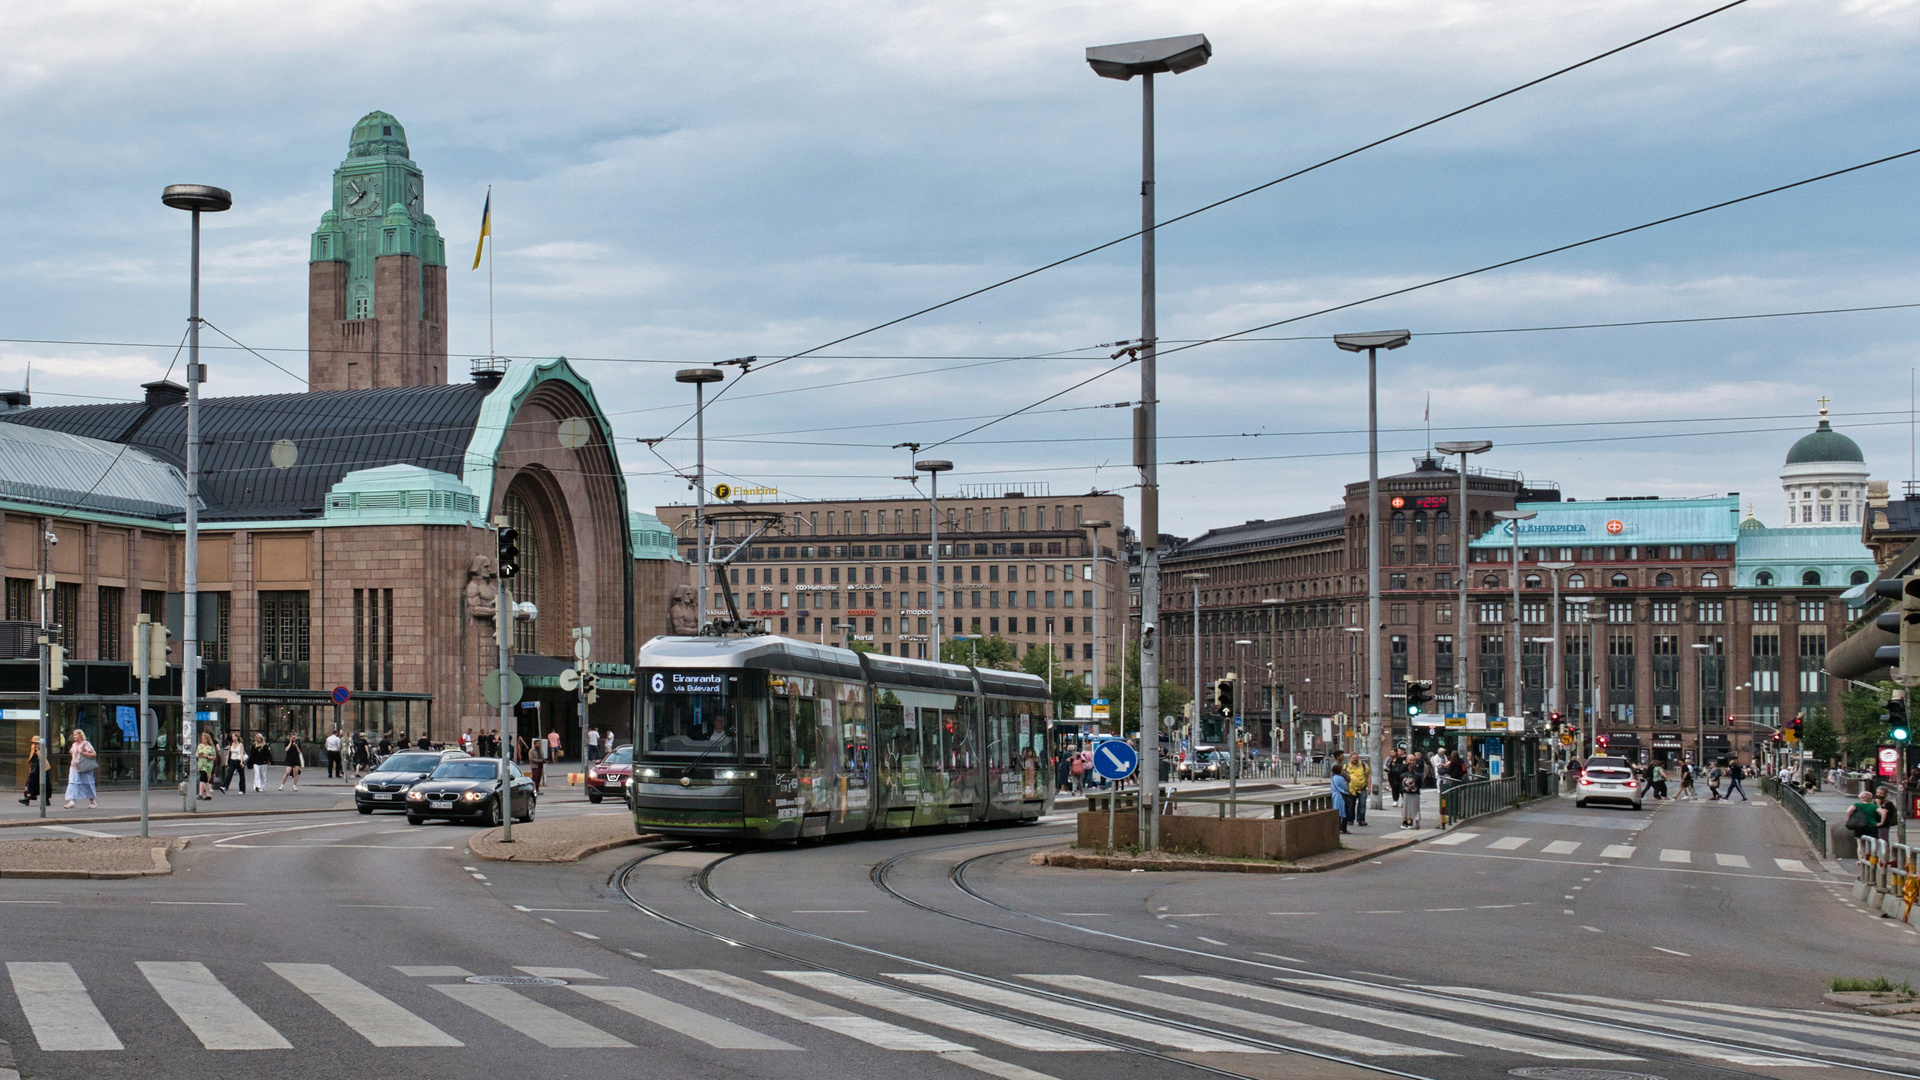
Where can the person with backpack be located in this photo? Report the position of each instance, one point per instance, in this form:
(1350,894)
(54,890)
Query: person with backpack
(1409,782)
(1865,820)
(1734,775)
(1077,772)
(1713,784)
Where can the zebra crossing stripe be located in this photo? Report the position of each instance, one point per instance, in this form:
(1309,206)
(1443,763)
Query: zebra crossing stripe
(1454,838)
(365,1010)
(1617,851)
(1736,861)
(1679,855)
(832,1018)
(715,1032)
(1793,866)
(1680,1020)
(1096,1019)
(1833,1027)
(218,1019)
(1420,1025)
(1562,847)
(544,1025)
(1240,1018)
(1510,843)
(999,1029)
(59,1009)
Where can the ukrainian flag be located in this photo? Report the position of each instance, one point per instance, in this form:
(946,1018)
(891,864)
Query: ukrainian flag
(486,228)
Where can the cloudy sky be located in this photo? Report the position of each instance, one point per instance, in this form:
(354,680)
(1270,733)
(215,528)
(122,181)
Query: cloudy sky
(679,184)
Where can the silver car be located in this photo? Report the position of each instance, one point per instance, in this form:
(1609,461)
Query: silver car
(1610,780)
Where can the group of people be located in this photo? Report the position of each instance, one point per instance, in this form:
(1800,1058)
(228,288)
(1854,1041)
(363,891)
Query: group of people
(83,763)
(237,758)
(1874,815)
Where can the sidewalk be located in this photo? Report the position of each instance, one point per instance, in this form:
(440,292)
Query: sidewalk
(88,857)
(123,804)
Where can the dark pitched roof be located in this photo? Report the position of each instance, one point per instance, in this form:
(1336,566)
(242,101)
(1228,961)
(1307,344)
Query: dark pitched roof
(333,432)
(1259,534)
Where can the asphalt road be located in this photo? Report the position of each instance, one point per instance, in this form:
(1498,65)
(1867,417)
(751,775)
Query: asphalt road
(1685,941)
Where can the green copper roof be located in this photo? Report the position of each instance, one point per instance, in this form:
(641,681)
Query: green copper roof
(377,133)
(1824,444)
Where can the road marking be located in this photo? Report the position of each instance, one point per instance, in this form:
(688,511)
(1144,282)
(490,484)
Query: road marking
(59,1009)
(1454,838)
(1617,851)
(196,903)
(563,910)
(71,829)
(378,1019)
(1682,1020)
(829,1017)
(1826,1022)
(914,1006)
(1130,1027)
(831,911)
(1679,855)
(1593,929)
(1194,915)
(1109,915)
(1245,1019)
(636,955)
(715,1032)
(1212,941)
(432,971)
(584,934)
(1511,843)
(1562,847)
(558,972)
(544,1025)
(1732,860)
(390,907)
(218,1019)
(1005,1070)
(1793,866)
(1286,913)
(55,903)
(1277,956)
(1675,952)
(1448,1030)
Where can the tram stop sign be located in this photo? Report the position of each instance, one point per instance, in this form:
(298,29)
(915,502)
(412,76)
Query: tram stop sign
(1115,760)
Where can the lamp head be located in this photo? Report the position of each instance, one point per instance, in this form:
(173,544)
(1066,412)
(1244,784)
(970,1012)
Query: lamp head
(933,466)
(1171,55)
(200,197)
(1374,339)
(1464,446)
(698,375)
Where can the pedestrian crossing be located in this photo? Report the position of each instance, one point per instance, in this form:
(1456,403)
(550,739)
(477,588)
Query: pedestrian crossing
(1467,841)
(1060,1016)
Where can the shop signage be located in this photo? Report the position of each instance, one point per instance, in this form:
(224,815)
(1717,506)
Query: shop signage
(768,611)
(861,611)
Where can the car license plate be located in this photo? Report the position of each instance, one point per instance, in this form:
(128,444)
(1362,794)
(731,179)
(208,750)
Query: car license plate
(441,805)
(383,795)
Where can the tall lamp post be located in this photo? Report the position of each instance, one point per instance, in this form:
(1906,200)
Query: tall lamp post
(1462,448)
(1193,674)
(1123,62)
(1513,518)
(1099,624)
(1233,735)
(1555,683)
(700,377)
(1703,649)
(1583,745)
(1372,343)
(933,469)
(197,199)
(1272,604)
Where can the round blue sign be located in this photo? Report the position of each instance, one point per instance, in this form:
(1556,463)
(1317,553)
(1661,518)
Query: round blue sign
(341,694)
(1115,759)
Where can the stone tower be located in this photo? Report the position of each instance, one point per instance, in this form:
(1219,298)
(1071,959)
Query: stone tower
(377,280)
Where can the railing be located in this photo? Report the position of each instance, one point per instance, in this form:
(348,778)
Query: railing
(1889,878)
(1459,802)
(1810,821)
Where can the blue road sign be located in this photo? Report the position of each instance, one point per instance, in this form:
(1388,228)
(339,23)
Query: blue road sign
(1115,759)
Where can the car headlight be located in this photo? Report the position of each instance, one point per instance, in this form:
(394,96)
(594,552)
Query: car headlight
(476,796)
(360,786)
(416,796)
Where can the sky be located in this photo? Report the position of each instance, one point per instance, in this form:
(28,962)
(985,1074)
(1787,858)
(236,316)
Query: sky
(680,184)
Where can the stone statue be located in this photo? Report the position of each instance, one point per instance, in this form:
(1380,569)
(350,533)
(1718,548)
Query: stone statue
(481,592)
(682,619)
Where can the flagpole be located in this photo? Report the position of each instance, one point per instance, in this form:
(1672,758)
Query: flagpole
(490,350)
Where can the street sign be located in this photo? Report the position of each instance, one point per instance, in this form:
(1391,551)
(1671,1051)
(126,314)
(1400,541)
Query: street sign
(341,694)
(1889,760)
(1100,709)
(570,679)
(490,688)
(1115,759)
(582,643)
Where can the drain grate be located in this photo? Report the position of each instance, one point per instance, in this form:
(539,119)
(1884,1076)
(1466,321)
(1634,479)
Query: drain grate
(1554,1073)
(537,980)
(1549,1072)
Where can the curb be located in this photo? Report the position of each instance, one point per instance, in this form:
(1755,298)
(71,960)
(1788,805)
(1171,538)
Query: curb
(174,816)
(572,854)
(161,868)
(1069,858)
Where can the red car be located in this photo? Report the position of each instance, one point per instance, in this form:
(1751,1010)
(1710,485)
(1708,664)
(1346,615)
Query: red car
(608,776)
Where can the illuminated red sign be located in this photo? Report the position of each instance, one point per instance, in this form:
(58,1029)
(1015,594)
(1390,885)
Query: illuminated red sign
(860,611)
(1431,502)
(1615,527)
(1398,502)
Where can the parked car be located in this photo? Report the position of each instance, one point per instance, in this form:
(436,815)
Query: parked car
(1609,780)
(469,789)
(1204,764)
(608,776)
(385,788)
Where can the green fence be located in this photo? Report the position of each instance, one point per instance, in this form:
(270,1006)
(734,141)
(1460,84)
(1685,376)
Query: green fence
(1811,822)
(1458,802)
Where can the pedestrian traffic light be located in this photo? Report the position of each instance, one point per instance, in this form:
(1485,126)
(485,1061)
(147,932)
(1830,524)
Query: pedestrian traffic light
(1223,696)
(156,648)
(1777,740)
(56,667)
(509,552)
(1902,619)
(1419,693)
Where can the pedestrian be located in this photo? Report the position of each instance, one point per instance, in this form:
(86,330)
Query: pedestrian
(1713,784)
(1396,768)
(293,760)
(386,744)
(421,743)
(553,744)
(362,754)
(259,757)
(233,762)
(1686,781)
(1889,813)
(606,744)
(36,773)
(536,761)
(1342,797)
(1063,772)
(1734,775)
(85,761)
(466,741)
(1409,799)
(336,763)
(1864,819)
(1359,785)
(1077,772)
(205,754)
(1659,781)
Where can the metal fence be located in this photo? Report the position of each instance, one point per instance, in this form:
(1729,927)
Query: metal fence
(1810,820)
(1889,878)
(1458,802)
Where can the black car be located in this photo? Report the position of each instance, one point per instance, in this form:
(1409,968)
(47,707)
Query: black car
(385,788)
(468,789)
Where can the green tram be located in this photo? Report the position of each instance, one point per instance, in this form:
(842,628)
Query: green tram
(763,737)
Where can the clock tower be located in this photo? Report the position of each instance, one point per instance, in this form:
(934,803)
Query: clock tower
(377,279)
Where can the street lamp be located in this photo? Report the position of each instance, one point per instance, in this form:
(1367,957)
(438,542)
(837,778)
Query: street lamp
(1704,649)
(933,469)
(1123,62)
(1193,676)
(1559,656)
(1462,448)
(1353,682)
(1273,691)
(1514,518)
(700,377)
(1232,725)
(197,199)
(1100,655)
(1584,620)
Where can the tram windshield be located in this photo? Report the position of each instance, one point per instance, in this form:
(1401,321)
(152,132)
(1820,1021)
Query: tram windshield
(710,716)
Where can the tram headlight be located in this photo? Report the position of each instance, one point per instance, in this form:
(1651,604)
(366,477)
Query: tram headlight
(647,774)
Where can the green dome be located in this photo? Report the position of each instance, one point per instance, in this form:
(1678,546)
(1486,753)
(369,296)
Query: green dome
(377,133)
(1825,444)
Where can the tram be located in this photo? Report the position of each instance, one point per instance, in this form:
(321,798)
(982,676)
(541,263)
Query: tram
(760,737)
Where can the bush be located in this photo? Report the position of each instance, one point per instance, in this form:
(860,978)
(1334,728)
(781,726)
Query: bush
(1879,984)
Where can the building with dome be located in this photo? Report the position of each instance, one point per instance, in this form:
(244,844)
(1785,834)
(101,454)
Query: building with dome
(1825,480)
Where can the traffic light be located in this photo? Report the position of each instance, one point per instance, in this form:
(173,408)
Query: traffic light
(1419,693)
(1902,619)
(1553,720)
(1602,740)
(1777,740)
(1897,727)
(1794,729)
(56,667)
(1223,696)
(156,648)
(590,686)
(1293,713)
(509,552)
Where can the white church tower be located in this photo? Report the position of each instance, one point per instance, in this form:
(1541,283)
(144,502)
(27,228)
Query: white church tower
(1825,480)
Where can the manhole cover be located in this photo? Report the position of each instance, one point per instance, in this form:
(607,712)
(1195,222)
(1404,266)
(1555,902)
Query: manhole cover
(1552,1073)
(536,980)
(1548,1072)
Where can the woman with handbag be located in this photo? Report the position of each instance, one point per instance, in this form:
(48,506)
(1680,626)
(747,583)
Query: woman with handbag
(258,758)
(80,776)
(36,772)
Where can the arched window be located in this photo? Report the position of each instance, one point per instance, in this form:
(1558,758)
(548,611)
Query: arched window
(1491,581)
(1709,580)
(1663,579)
(1442,522)
(1399,523)
(1763,578)
(1858,577)
(1811,577)
(1420,523)
(1619,581)
(1576,581)
(1533,581)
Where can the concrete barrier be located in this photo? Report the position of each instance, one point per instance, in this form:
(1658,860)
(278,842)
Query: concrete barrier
(1288,838)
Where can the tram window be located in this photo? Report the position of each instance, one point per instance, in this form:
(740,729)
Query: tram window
(698,716)
(806,734)
(783,741)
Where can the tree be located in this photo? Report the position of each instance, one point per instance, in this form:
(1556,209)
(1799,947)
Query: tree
(1068,690)
(986,652)
(1173,696)
(1861,714)
(1817,734)
(861,646)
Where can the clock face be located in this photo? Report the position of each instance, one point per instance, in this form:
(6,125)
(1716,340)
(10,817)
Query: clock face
(360,195)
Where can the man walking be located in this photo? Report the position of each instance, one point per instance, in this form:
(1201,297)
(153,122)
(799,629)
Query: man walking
(1734,775)
(336,765)
(1359,776)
